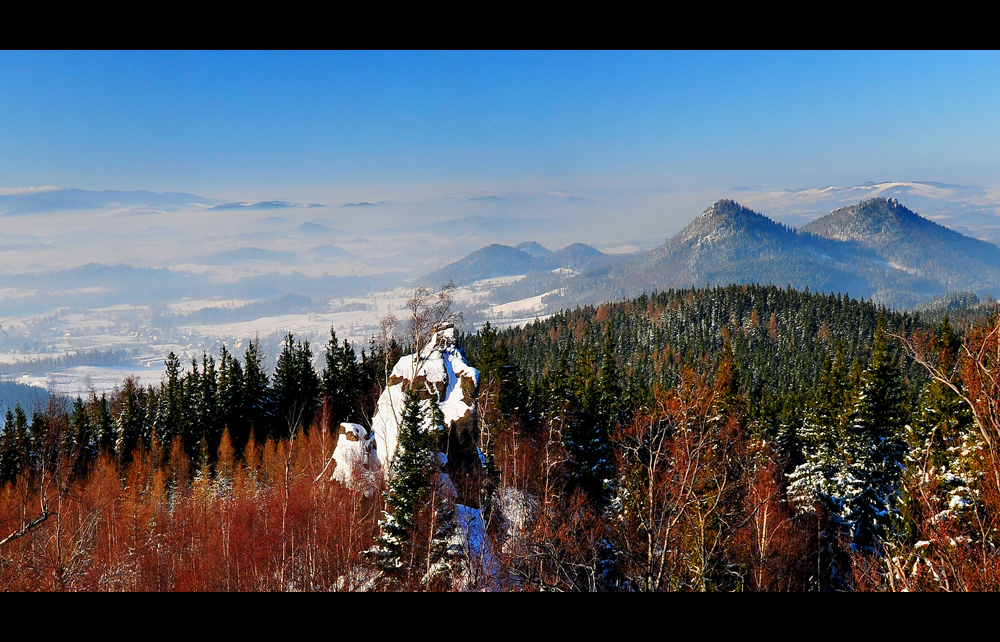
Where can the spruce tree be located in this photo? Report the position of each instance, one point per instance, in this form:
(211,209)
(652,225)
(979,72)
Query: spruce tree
(257,397)
(819,477)
(9,460)
(341,380)
(83,433)
(170,411)
(210,425)
(130,422)
(103,424)
(939,471)
(296,387)
(587,428)
(876,448)
(407,489)
(231,401)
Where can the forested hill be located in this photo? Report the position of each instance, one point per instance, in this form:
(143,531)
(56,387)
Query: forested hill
(528,258)
(729,243)
(906,241)
(877,249)
(779,339)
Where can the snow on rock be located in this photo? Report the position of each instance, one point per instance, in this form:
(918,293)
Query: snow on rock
(356,457)
(440,371)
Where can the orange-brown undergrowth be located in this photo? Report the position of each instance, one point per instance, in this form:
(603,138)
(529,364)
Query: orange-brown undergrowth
(270,522)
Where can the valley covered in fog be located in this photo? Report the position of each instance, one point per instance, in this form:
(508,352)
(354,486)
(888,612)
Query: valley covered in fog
(99,286)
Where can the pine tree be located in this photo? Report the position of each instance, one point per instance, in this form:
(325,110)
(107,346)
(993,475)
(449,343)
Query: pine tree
(257,397)
(170,411)
(9,460)
(296,387)
(819,477)
(875,448)
(407,490)
(938,472)
(232,402)
(341,380)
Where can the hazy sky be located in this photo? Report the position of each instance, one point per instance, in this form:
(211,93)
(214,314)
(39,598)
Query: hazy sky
(349,126)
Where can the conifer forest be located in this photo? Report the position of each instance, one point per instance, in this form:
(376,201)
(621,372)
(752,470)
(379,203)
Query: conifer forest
(737,438)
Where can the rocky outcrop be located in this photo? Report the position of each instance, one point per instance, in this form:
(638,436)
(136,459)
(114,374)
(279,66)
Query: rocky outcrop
(356,457)
(440,372)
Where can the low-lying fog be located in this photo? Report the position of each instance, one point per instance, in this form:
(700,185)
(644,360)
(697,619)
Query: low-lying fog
(97,286)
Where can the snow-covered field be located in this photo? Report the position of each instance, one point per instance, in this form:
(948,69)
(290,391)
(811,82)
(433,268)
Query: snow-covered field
(82,380)
(62,358)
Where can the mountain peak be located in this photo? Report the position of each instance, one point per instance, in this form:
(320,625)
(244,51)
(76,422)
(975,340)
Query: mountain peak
(726,217)
(726,210)
(880,204)
(874,217)
(726,207)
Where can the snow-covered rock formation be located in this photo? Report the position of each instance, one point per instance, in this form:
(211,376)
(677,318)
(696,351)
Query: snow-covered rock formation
(440,371)
(356,456)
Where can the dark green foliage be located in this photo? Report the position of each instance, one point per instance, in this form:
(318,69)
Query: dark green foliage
(341,382)
(81,432)
(587,407)
(374,370)
(778,338)
(257,395)
(409,486)
(232,400)
(875,447)
(130,421)
(103,424)
(813,407)
(852,445)
(780,359)
(11,460)
(821,438)
(171,410)
(296,387)
(940,441)
(196,404)
(494,363)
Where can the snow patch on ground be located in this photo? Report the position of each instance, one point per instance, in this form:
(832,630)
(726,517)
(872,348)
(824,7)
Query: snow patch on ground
(900,266)
(81,380)
(521,306)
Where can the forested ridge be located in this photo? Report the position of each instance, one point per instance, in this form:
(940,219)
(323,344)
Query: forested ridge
(729,438)
(779,339)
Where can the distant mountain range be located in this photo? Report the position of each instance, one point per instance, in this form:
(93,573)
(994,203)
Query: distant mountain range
(527,258)
(80,200)
(877,249)
(263,205)
(70,200)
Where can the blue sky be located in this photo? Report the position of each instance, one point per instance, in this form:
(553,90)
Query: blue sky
(311,126)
